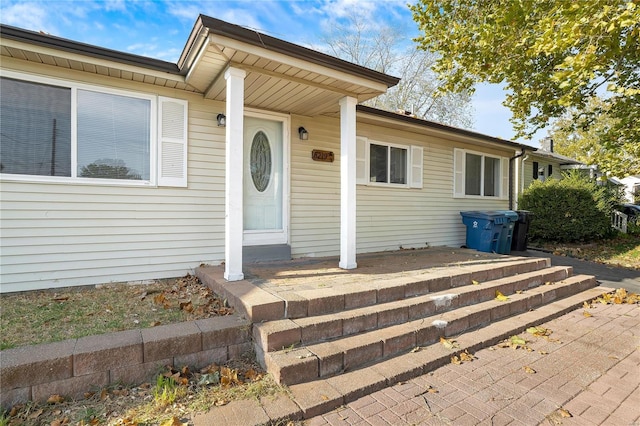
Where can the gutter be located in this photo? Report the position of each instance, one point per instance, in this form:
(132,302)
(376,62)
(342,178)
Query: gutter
(511,160)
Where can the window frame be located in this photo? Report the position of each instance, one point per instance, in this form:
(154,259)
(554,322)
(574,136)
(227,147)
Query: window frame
(410,168)
(459,175)
(74,178)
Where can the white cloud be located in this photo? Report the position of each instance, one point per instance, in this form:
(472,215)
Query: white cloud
(32,16)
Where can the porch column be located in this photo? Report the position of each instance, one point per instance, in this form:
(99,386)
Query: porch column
(234,139)
(348,183)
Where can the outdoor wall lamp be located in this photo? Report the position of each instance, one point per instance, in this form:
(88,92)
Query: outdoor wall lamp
(222,120)
(304,135)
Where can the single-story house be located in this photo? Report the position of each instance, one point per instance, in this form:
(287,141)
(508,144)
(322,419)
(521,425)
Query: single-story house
(117,167)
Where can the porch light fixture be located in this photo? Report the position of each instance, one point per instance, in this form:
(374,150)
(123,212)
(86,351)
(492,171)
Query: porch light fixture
(304,135)
(222,120)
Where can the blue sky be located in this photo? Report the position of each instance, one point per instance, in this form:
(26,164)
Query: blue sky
(159,29)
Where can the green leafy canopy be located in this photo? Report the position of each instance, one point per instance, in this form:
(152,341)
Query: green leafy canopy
(551,55)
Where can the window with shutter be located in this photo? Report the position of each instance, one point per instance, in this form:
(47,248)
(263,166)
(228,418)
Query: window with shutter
(384,164)
(54,129)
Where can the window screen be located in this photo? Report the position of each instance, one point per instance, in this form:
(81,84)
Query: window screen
(113,136)
(36,129)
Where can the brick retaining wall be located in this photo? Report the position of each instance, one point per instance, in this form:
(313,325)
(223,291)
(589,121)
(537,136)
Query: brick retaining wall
(73,367)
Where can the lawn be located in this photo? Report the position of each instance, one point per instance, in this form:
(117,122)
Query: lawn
(622,251)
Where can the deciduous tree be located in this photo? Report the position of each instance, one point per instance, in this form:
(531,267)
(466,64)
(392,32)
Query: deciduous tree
(386,49)
(551,55)
(590,143)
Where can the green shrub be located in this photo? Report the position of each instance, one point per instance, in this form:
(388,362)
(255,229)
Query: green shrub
(573,209)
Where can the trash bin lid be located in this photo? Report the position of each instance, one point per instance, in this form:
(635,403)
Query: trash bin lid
(484,214)
(510,214)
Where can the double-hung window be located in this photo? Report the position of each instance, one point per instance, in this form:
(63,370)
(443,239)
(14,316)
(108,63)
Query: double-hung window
(57,129)
(379,163)
(480,175)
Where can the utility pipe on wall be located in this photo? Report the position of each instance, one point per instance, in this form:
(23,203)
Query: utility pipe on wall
(511,160)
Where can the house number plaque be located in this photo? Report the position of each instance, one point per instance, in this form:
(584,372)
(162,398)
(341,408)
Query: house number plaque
(318,155)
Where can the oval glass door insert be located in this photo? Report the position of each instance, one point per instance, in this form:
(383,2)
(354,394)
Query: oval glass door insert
(260,161)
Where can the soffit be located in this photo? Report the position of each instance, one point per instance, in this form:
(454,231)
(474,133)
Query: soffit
(83,62)
(275,81)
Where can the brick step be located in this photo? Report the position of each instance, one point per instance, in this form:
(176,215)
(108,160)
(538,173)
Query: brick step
(328,358)
(320,396)
(275,335)
(322,301)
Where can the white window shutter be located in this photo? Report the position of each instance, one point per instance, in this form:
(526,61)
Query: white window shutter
(505,178)
(172,142)
(361,160)
(417,161)
(458,172)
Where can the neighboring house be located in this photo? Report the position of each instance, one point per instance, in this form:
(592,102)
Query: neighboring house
(117,167)
(544,163)
(631,187)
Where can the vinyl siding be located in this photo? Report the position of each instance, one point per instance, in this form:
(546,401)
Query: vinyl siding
(62,234)
(392,218)
(315,189)
(542,162)
(387,218)
(66,234)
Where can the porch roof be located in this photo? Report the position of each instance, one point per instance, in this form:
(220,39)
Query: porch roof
(281,76)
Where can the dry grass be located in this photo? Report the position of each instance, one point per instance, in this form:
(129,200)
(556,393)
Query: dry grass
(174,398)
(47,316)
(621,251)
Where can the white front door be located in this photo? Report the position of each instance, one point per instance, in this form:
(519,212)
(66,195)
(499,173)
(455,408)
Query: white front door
(265,181)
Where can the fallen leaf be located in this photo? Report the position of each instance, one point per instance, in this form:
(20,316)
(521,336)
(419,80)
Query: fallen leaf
(501,297)
(455,360)
(36,414)
(449,343)
(155,323)
(466,356)
(186,306)
(519,291)
(586,305)
(173,421)
(529,370)
(516,341)
(416,349)
(104,394)
(474,282)
(586,314)
(543,352)
(324,397)
(55,399)
(538,331)
(548,283)
(564,413)
(159,299)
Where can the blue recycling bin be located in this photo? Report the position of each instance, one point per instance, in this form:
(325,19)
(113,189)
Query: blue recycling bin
(484,229)
(506,236)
